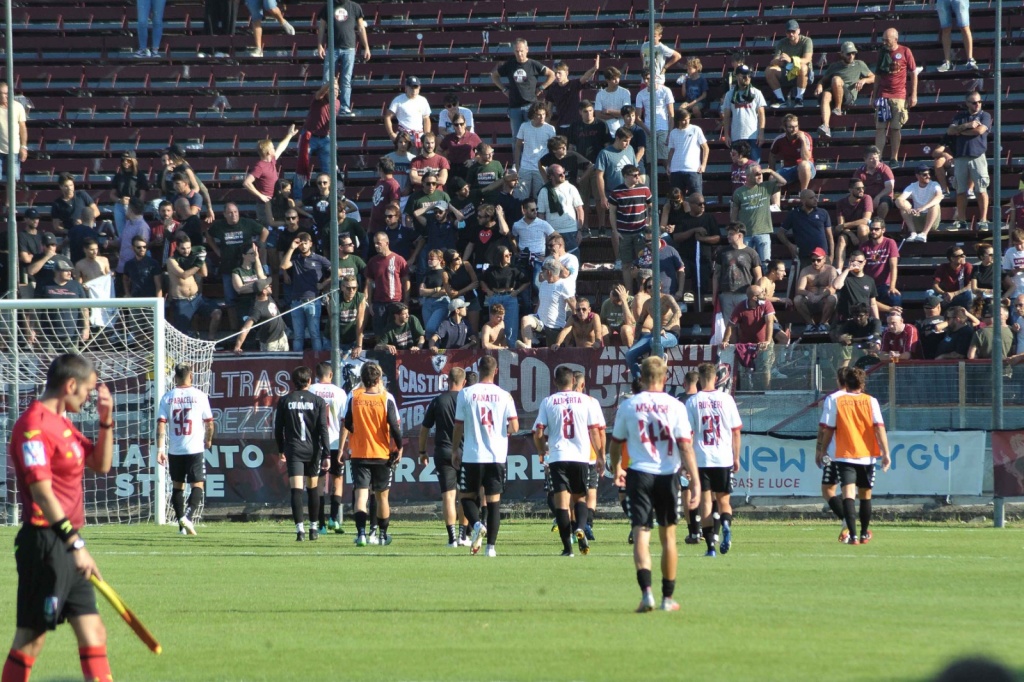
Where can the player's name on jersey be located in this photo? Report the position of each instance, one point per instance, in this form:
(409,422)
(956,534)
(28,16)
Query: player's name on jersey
(301,406)
(181,400)
(485,397)
(705,404)
(569,398)
(650,407)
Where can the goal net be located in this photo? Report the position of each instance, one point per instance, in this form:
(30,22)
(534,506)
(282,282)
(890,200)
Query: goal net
(134,353)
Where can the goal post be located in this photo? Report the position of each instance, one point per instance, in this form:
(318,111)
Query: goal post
(134,351)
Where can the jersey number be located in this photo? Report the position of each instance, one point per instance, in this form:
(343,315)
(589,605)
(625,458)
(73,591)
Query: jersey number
(182,424)
(486,418)
(653,432)
(568,425)
(711,426)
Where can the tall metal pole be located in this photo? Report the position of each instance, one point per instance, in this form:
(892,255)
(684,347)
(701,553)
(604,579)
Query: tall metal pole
(332,300)
(998,511)
(13,266)
(652,105)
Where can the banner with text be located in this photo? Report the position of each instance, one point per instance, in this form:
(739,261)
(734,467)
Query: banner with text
(1008,463)
(923,463)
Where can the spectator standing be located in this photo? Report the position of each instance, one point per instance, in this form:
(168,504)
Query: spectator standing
(809,228)
(484,171)
(30,243)
(19,139)
(559,203)
(793,61)
(879,182)
(664,56)
(840,84)
(409,112)
(672,272)
(386,192)
(434,292)
(743,116)
(145,10)
(1016,324)
(143,276)
(502,283)
(629,214)
(920,205)
(459,147)
(128,183)
(960,10)
(272,335)
(229,238)
(608,168)
(952,280)
(348,24)
(752,323)
(895,92)
(531,233)
(258,9)
(795,150)
(1013,263)
(387,282)
(563,96)
(66,210)
(631,122)
(135,226)
(244,278)
(555,294)
(657,122)
(261,180)
(402,159)
(185,300)
(694,231)
(587,135)
(738,267)
(931,328)
(970,131)
(750,206)
(882,265)
(309,274)
(315,138)
(688,153)
(575,165)
(694,88)
(520,79)
(40,269)
(62,330)
(446,117)
(853,287)
(531,143)
(429,162)
(351,317)
(609,101)
(740,163)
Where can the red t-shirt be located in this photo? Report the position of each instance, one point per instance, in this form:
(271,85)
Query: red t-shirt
(878,255)
(738,172)
(853,212)
(901,343)
(47,447)
(265,176)
(949,279)
(893,85)
(789,150)
(318,120)
(750,322)
(459,151)
(386,191)
(874,181)
(435,162)
(387,272)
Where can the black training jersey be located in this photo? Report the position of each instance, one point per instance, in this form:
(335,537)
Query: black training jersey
(441,414)
(300,426)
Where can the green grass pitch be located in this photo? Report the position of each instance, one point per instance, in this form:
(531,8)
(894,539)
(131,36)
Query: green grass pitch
(246,602)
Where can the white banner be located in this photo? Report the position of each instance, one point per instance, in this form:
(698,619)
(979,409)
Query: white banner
(923,463)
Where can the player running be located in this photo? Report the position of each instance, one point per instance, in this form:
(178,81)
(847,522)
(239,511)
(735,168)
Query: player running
(373,432)
(854,431)
(655,427)
(335,397)
(440,416)
(486,415)
(569,426)
(716,424)
(830,472)
(300,428)
(191,433)
(49,456)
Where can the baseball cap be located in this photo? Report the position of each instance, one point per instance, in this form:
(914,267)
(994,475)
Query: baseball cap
(62,264)
(128,154)
(932,301)
(848,48)
(31,213)
(441,206)
(412,82)
(819,252)
(792,25)
(457,303)
(49,239)
(743,70)
(923,168)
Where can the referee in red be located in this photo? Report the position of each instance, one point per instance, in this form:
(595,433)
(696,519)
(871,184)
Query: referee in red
(50,456)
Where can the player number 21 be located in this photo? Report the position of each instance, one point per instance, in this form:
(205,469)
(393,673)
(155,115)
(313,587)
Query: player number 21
(711,425)
(182,424)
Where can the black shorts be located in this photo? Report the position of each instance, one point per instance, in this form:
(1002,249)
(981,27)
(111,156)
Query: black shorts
(861,474)
(50,588)
(651,495)
(337,469)
(592,478)
(299,468)
(491,476)
(447,474)
(569,476)
(374,474)
(716,480)
(187,468)
(829,472)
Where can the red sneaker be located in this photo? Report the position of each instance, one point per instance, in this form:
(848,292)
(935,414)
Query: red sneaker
(866,538)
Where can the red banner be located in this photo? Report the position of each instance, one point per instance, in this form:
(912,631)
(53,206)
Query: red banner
(1008,463)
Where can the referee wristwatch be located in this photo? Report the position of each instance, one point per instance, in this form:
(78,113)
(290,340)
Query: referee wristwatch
(76,545)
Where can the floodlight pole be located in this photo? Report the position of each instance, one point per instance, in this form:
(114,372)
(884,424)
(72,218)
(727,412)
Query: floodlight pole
(333,303)
(652,106)
(998,508)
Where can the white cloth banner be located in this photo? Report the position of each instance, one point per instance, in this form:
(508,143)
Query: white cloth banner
(101,288)
(923,463)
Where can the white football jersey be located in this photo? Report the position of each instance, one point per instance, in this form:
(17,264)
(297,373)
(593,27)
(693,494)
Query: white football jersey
(337,402)
(650,424)
(485,410)
(567,417)
(185,411)
(713,418)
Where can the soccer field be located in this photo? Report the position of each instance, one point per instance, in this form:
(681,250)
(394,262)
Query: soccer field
(246,602)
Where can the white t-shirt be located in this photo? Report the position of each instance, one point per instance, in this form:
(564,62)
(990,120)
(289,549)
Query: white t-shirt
(919,196)
(533,235)
(535,143)
(552,298)
(829,410)
(336,403)
(1014,260)
(410,112)
(485,411)
(570,198)
(612,100)
(650,424)
(664,100)
(444,121)
(19,118)
(713,418)
(185,410)
(745,120)
(567,417)
(687,145)
(572,264)
(662,52)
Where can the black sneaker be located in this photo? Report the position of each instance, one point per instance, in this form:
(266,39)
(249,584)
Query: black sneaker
(581,541)
(567,552)
(798,102)
(299,536)
(314,534)
(777,103)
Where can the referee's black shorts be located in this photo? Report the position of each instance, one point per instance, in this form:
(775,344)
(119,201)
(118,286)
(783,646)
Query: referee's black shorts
(50,588)
(187,468)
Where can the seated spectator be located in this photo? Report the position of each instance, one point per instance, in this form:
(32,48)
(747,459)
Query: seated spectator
(983,345)
(854,286)
(809,228)
(618,318)
(815,296)
(453,333)
(429,161)
(776,273)
(899,340)
(265,313)
(981,275)
(840,85)
(462,283)
(61,330)
(502,283)
(878,180)
(583,328)
(688,153)
(1016,325)
(931,328)
(228,238)
(952,280)
(752,324)
(67,209)
(310,275)
(860,330)
(434,298)
(554,294)
(448,116)
(244,279)
(351,317)
(1014,211)
(957,339)
(184,297)
(493,336)
(143,275)
(671,321)
(882,265)
(387,282)
(737,268)
(404,332)
(853,216)
(920,205)
(795,150)
(1013,263)
(793,62)
(695,88)
(402,159)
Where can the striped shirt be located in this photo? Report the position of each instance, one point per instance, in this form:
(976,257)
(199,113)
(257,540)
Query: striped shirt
(631,207)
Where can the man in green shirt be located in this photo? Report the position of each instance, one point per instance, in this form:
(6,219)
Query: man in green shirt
(793,63)
(404,332)
(750,206)
(349,264)
(839,86)
(351,316)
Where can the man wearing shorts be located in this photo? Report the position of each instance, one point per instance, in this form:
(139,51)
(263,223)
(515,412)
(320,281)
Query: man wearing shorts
(440,416)
(830,471)
(191,434)
(485,414)
(336,400)
(970,131)
(654,427)
(597,463)
(300,429)
(895,92)
(795,149)
(840,85)
(629,213)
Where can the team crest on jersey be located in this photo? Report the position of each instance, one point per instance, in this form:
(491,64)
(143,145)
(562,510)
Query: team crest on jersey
(33,453)
(439,361)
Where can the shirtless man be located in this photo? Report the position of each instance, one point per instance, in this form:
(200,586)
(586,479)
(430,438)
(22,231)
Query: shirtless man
(670,321)
(93,265)
(815,295)
(492,336)
(184,298)
(776,273)
(584,325)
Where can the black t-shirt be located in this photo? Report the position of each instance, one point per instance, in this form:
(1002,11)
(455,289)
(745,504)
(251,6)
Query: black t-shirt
(521,80)
(511,204)
(685,222)
(958,341)
(873,328)
(68,212)
(929,339)
(982,274)
(76,240)
(45,275)
(263,311)
(319,207)
(589,138)
(574,163)
(300,426)
(127,185)
(501,278)
(440,416)
(64,323)
(193,227)
(30,244)
(855,290)
(346,16)
(484,241)
(140,274)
